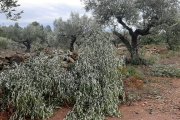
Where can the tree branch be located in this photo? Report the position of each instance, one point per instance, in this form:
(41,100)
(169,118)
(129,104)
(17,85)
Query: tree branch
(73,40)
(146,30)
(124,25)
(123,39)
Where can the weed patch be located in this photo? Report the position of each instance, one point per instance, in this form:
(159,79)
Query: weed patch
(165,71)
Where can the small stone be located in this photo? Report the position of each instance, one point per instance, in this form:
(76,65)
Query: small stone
(145,103)
(150,111)
(136,112)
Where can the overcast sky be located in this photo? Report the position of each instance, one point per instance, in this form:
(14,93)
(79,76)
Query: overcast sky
(45,11)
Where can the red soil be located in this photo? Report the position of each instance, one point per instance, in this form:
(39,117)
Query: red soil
(4,116)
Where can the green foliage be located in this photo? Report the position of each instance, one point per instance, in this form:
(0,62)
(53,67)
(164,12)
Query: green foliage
(29,103)
(153,39)
(93,85)
(13,32)
(4,43)
(2,32)
(139,13)
(130,71)
(150,58)
(173,36)
(8,7)
(29,36)
(142,14)
(170,54)
(9,44)
(69,32)
(100,84)
(32,89)
(165,71)
(35,88)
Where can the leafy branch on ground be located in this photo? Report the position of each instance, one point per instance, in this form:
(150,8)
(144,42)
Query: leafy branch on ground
(93,85)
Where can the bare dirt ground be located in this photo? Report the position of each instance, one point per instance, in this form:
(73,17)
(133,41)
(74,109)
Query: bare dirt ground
(161,106)
(3,116)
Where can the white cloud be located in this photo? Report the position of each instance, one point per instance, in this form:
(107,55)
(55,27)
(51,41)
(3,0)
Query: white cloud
(45,11)
(51,2)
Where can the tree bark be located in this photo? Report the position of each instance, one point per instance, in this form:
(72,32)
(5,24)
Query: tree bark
(28,45)
(132,45)
(124,40)
(73,40)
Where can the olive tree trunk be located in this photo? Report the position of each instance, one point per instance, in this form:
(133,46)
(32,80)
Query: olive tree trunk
(132,44)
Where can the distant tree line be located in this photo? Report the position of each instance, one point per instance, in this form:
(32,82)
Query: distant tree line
(34,32)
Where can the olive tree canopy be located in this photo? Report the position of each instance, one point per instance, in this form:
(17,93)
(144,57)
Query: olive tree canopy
(8,8)
(135,16)
(72,29)
(32,33)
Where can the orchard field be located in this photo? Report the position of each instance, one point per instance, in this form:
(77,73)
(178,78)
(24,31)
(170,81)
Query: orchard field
(118,61)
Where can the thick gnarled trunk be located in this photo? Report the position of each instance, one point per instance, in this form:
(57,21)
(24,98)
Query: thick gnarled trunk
(132,45)
(73,40)
(135,58)
(28,45)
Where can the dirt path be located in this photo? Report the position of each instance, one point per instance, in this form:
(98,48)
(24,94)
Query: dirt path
(61,114)
(164,106)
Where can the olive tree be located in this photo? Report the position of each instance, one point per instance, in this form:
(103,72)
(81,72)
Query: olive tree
(8,8)
(33,32)
(49,36)
(137,17)
(72,29)
(173,36)
(26,36)
(13,32)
